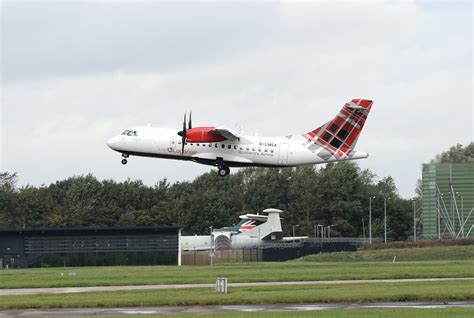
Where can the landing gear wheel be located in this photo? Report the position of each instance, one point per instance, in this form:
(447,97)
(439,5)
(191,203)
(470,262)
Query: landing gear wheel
(124,161)
(223,171)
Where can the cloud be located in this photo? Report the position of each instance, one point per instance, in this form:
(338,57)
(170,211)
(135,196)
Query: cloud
(81,38)
(276,69)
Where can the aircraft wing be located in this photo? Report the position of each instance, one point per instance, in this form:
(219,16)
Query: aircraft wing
(294,238)
(228,132)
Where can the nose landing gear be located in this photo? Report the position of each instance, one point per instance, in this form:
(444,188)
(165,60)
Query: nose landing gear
(124,160)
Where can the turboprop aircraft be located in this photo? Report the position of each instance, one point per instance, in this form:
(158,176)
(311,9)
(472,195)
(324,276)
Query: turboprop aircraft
(225,147)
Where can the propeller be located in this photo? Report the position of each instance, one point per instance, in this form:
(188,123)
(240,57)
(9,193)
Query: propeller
(190,125)
(182,133)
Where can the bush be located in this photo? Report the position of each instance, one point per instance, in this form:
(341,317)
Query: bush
(421,243)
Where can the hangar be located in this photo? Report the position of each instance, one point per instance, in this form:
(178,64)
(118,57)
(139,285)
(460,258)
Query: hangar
(90,246)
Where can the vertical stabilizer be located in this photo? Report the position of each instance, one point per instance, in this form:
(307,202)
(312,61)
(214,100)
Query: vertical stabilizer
(339,136)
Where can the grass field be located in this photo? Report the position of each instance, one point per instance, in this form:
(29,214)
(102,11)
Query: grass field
(240,272)
(457,261)
(436,291)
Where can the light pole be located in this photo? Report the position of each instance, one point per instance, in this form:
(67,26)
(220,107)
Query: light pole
(363,228)
(439,216)
(294,226)
(329,232)
(385,218)
(414,220)
(370,218)
(319,225)
(462,213)
(210,235)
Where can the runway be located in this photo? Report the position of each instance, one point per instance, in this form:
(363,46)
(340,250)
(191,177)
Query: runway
(65,290)
(77,312)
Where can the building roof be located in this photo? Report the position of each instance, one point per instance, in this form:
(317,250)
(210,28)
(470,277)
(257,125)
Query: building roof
(88,230)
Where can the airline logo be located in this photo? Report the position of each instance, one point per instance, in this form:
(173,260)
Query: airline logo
(247,225)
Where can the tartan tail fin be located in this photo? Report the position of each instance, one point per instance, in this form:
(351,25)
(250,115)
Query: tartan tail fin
(340,135)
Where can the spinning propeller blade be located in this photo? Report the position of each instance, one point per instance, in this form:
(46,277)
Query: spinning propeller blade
(182,133)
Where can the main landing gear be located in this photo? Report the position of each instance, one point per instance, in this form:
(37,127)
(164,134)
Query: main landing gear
(124,160)
(223,169)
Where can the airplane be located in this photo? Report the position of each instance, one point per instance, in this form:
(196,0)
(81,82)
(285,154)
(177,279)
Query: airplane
(253,230)
(226,146)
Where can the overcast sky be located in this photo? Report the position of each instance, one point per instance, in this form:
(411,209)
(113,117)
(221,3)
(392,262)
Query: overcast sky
(75,74)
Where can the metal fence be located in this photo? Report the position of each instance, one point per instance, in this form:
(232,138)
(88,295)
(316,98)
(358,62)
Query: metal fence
(268,253)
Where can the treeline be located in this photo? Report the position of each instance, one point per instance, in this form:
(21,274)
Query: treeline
(336,194)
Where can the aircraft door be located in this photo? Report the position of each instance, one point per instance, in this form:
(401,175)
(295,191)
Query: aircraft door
(173,143)
(283,154)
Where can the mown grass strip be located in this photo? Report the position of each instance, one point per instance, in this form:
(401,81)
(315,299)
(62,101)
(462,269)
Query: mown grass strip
(242,272)
(435,291)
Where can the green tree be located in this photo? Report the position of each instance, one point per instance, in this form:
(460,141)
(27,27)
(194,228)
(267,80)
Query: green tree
(8,202)
(35,207)
(456,154)
(342,196)
(303,199)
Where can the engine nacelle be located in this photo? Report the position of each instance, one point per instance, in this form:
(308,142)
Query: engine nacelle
(201,134)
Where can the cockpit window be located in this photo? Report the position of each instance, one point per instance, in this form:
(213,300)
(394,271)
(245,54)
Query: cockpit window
(130,133)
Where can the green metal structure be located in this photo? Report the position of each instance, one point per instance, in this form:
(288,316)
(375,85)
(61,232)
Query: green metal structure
(448,200)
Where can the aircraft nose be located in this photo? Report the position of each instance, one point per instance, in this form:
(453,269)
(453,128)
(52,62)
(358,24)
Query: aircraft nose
(112,143)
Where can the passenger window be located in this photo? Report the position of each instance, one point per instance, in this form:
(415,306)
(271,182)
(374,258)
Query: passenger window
(229,146)
(253,149)
(235,147)
(241,148)
(271,151)
(223,146)
(216,145)
(259,150)
(247,148)
(266,150)
(210,145)
(135,133)
(197,145)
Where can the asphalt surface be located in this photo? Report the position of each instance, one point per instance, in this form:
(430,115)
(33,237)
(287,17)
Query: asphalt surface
(77,312)
(65,290)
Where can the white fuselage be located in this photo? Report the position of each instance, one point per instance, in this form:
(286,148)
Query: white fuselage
(246,151)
